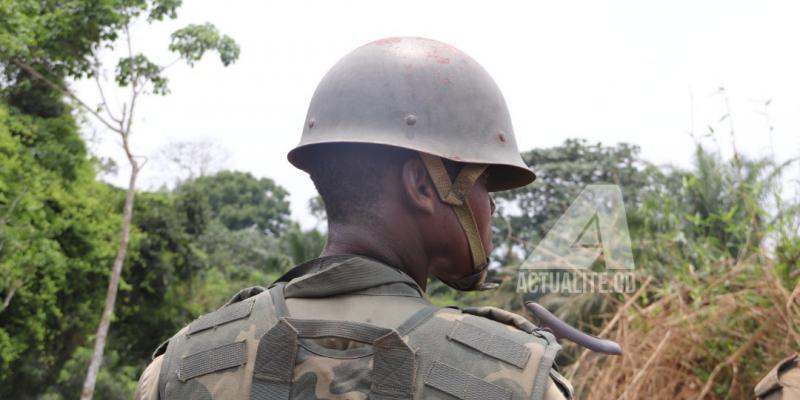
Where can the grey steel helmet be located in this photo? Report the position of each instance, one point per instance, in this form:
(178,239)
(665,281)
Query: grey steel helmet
(418,94)
(422,95)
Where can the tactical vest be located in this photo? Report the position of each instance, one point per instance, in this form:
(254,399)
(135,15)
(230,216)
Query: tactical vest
(252,348)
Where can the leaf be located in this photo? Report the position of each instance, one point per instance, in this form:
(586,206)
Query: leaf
(164,8)
(140,70)
(193,41)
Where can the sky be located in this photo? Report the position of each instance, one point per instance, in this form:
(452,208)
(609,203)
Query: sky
(657,75)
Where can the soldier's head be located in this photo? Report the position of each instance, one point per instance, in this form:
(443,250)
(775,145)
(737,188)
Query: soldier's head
(410,135)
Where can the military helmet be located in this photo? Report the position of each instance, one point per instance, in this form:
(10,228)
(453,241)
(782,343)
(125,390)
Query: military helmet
(426,96)
(417,94)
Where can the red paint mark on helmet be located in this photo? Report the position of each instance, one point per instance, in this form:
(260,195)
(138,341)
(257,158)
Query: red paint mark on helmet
(387,41)
(439,58)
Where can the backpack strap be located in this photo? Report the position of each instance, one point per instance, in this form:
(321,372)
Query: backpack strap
(393,369)
(279,300)
(545,365)
(394,365)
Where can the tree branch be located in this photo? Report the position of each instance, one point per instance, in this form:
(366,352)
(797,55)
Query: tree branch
(103,94)
(65,91)
(9,296)
(175,61)
(134,96)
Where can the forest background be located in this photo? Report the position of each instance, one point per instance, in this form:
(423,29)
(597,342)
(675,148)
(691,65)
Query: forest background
(716,244)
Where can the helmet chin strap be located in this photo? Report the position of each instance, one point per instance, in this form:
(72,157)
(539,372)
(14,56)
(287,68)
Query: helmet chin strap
(455,193)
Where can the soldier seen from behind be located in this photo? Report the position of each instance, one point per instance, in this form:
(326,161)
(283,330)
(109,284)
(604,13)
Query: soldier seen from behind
(405,139)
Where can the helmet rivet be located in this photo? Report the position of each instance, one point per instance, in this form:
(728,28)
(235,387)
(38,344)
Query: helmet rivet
(411,119)
(311,123)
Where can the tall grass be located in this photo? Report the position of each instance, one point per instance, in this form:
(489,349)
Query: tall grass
(711,336)
(716,250)
(718,303)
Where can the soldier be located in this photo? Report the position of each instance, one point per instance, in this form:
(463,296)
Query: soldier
(405,138)
(783,382)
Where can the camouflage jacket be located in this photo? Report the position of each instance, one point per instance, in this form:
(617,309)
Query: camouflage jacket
(349,327)
(782,383)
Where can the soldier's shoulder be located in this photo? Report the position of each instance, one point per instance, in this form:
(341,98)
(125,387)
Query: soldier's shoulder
(496,350)
(494,324)
(782,382)
(147,387)
(229,333)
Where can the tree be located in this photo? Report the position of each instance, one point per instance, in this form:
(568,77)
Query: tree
(57,228)
(525,215)
(191,159)
(239,200)
(39,53)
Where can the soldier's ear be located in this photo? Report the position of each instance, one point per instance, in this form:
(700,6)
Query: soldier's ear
(418,189)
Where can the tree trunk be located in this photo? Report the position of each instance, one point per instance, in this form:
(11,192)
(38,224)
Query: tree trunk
(113,285)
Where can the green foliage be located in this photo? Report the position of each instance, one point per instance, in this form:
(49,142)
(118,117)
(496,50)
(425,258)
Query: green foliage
(117,380)
(704,240)
(703,217)
(185,261)
(788,256)
(240,200)
(59,226)
(56,235)
(525,215)
(59,39)
(59,36)
(163,8)
(137,70)
(193,41)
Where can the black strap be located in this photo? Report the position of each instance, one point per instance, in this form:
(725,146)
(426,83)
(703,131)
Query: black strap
(298,271)
(393,369)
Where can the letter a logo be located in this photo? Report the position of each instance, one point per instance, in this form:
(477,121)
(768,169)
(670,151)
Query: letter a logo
(593,227)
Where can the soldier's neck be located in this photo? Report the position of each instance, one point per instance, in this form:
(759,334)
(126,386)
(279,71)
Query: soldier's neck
(384,245)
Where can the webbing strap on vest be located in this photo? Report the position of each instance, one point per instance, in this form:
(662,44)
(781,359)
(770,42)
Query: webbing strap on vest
(456,193)
(279,300)
(545,365)
(416,320)
(394,366)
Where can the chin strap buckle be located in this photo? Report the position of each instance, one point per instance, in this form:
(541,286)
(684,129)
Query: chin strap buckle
(455,194)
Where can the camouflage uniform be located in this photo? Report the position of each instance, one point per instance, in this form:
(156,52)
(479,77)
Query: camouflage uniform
(782,383)
(349,327)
